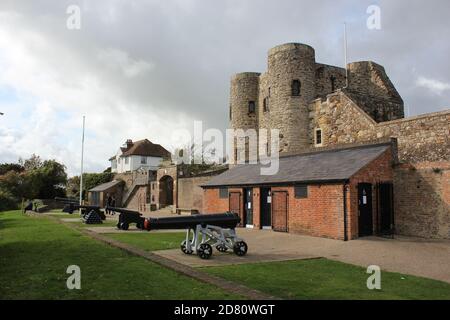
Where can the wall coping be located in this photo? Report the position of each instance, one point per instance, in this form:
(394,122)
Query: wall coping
(417,117)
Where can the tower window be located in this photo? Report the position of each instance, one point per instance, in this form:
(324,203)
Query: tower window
(333,83)
(231,116)
(318,137)
(266,104)
(296,85)
(251,107)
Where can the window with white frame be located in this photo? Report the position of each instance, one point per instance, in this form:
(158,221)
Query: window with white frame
(318,137)
(143,160)
(127,160)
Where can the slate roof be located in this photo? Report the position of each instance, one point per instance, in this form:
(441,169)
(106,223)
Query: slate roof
(325,166)
(106,186)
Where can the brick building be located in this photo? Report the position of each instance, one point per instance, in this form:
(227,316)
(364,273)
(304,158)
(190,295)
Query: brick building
(316,107)
(327,193)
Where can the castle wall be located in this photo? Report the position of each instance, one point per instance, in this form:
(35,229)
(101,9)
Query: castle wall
(421,183)
(421,138)
(324,83)
(190,193)
(374,92)
(422,199)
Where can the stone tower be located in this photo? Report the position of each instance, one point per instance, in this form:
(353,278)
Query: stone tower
(281,98)
(288,88)
(244,102)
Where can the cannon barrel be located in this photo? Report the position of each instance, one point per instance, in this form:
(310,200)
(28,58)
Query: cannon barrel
(223,220)
(66,200)
(71,207)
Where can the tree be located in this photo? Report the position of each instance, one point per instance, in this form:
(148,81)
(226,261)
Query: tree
(90,180)
(35,162)
(53,179)
(38,179)
(6,167)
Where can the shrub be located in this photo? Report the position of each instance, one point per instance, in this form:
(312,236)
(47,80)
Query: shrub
(7,201)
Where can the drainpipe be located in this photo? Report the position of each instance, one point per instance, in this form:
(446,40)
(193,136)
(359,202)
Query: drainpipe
(344,191)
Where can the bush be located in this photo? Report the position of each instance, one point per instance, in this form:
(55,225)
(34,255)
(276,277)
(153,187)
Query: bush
(7,201)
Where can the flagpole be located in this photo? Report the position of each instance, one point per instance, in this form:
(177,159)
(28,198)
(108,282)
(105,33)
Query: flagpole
(82,160)
(345,55)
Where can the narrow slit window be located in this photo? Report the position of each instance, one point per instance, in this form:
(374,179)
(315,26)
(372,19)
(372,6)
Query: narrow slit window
(266,104)
(333,83)
(296,87)
(251,107)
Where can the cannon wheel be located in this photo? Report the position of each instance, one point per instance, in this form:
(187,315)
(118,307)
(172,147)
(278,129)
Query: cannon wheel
(204,251)
(184,249)
(221,248)
(123,226)
(240,248)
(118,225)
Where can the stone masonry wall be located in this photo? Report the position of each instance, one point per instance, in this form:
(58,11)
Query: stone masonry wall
(190,194)
(422,200)
(421,138)
(324,76)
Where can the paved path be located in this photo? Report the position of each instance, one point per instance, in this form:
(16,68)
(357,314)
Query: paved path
(425,258)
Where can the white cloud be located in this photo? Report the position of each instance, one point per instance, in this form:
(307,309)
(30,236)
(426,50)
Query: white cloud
(57,85)
(436,86)
(117,59)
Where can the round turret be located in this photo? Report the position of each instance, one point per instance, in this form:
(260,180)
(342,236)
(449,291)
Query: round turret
(244,100)
(289,87)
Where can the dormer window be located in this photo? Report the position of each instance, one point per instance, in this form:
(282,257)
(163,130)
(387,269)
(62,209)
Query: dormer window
(296,86)
(251,107)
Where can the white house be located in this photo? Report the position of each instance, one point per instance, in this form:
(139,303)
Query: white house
(142,154)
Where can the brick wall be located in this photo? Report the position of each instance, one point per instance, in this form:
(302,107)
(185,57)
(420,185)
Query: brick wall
(321,214)
(212,203)
(378,171)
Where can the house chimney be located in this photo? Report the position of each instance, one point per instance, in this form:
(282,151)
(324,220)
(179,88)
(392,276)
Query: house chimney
(129,143)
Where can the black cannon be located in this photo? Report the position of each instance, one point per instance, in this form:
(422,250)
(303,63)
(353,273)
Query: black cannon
(89,214)
(203,231)
(127,217)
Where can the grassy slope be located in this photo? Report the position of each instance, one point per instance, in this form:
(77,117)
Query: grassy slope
(326,279)
(150,241)
(35,253)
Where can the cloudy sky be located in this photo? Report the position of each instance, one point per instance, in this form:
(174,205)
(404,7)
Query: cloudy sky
(142,69)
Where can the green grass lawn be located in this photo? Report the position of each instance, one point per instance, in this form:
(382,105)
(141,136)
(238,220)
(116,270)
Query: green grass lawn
(35,253)
(151,241)
(326,279)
